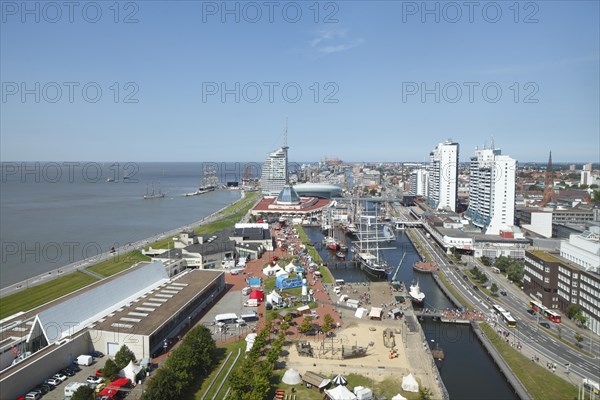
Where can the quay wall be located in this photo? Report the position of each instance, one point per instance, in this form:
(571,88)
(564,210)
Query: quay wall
(508,373)
(512,379)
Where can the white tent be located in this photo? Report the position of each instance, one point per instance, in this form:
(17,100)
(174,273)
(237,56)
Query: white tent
(361,312)
(130,371)
(375,313)
(339,380)
(274,298)
(282,273)
(409,384)
(290,267)
(399,397)
(271,270)
(340,393)
(291,377)
(363,393)
(250,341)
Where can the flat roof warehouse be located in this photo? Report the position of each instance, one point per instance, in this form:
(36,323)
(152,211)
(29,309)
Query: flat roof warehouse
(140,308)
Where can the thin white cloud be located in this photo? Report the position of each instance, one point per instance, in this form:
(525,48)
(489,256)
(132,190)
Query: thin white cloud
(333,41)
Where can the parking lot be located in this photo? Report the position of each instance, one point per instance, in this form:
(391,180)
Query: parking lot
(59,391)
(232,302)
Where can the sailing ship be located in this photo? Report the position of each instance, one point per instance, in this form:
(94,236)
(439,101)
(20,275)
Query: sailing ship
(367,250)
(153,195)
(415,294)
(208,183)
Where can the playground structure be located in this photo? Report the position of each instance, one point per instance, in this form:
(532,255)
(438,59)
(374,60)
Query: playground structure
(331,349)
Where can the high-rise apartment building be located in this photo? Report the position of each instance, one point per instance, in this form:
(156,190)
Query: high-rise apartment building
(443,176)
(491,190)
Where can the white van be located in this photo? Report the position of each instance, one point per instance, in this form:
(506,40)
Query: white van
(85,359)
(72,387)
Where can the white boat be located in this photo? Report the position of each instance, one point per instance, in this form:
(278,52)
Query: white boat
(388,233)
(209,183)
(415,293)
(153,195)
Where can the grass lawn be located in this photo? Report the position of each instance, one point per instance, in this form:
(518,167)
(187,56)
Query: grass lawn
(389,387)
(232,348)
(227,218)
(454,292)
(539,381)
(118,263)
(36,296)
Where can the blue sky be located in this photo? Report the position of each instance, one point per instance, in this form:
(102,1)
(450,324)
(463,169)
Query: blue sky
(373,57)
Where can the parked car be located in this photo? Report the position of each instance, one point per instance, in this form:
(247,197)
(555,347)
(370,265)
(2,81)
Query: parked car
(67,372)
(530,311)
(48,385)
(43,389)
(503,293)
(33,396)
(53,381)
(97,354)
(95,379)
(59,376)
(75,368)
(99,372)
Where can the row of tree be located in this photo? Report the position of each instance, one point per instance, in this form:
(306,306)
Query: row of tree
(252,379)
(110,372)
(190,363)
(514,269)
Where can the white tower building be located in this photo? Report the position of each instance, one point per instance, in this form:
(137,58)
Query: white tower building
(443,176)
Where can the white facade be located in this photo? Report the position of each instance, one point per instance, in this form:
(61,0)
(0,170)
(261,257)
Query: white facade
(419,181)
(275,172)
(492,191)
(541,223)
(443,176)
(583,249)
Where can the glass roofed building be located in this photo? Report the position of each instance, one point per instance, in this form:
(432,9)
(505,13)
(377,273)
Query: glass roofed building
(288,196)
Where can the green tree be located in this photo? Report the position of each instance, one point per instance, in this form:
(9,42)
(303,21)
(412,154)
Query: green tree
(578,338)
(502,263)
(124,356)
(494,289)
(284,326)
(580,319)
(424,393)
(306,325)
(573,310)
(83,393)
(486,261)
(516,272)
(327,324)
(111,370)
(161,386)
(596,197)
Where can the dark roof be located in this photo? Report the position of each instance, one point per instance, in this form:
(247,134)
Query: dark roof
(216,246)
(252,233)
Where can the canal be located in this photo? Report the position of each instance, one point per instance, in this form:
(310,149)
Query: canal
(467,371)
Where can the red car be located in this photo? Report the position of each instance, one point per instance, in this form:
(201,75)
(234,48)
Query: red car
(99,372)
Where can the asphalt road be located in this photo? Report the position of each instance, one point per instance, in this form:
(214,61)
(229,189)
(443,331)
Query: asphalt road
(528,332)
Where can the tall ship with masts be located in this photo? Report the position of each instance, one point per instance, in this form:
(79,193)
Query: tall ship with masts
(367,252)
(209,183)
(154,195)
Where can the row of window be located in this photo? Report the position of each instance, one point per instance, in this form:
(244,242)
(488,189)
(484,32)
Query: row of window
(535,264)
(564,295)
(532,272)
(592,303)
(592,282)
